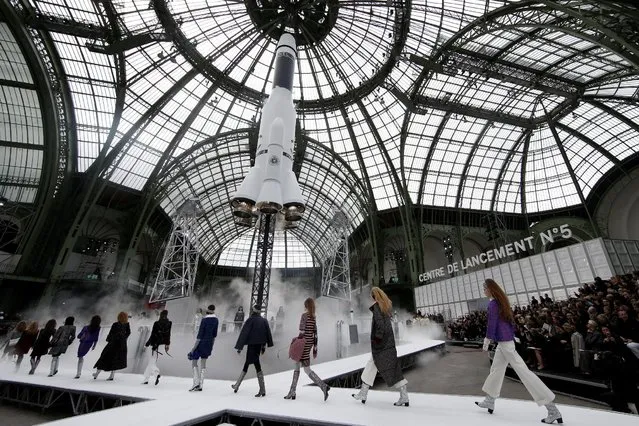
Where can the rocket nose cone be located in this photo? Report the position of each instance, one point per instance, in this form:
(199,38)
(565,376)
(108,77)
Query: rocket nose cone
(287,40)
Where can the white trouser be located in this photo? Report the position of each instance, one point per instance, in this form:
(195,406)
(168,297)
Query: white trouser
(152,369)
(504,355)
(370,372)
(634,347)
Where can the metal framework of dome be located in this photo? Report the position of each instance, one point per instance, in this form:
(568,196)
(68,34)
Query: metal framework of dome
(517,107)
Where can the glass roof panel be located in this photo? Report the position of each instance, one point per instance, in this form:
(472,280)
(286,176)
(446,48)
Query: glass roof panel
(377,127)
(13,65)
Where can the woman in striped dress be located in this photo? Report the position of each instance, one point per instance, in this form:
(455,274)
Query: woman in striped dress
(308,331)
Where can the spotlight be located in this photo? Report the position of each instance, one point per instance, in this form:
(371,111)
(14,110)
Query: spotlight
(3,201)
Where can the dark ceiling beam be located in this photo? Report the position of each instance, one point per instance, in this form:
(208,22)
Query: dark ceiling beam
(522,177)
(504,166)
(571,172)
(429,156)
(127,43)
(18,84)
(628,122)
(21,145)
(421,102)
(594,145)
(59,24)
(19,182)
(469,159)
(486,66)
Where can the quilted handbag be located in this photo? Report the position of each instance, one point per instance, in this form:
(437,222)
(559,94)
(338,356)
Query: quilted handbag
(296,349)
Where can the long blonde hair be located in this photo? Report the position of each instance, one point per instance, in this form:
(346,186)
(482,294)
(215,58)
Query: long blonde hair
(382,300)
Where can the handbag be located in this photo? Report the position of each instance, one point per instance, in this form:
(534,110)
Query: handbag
(296,349)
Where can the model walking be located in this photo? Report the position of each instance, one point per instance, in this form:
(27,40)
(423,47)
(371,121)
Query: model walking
(13,338)
(113,356)
(383,351)
(500,329)
(308,331)
(256,335)
(62,338)
(88,338)
(207,332)
(42,344)
(25,343)
(160,335)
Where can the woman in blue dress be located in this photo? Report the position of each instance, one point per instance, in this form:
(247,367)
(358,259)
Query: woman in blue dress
(88,338)
(203,347)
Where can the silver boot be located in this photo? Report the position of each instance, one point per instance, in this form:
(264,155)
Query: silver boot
(201,378)
(291,392)
(403,397)
(237,384)
(488,403)
(363,391)
(319,382)
(260,380)
(196,380)
(79,372)
(553,414)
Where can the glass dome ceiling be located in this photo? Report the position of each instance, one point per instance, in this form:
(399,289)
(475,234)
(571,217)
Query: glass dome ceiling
(510,106)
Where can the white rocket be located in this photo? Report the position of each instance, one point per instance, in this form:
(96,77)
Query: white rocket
(270,185)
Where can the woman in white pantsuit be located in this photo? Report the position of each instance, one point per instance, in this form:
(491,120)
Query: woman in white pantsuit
(500,329)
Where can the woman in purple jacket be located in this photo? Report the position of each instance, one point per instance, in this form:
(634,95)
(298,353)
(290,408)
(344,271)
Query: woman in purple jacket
(88,339)
(500,329)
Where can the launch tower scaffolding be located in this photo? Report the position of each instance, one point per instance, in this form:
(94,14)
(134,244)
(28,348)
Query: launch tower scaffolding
(176,276)
(336,277)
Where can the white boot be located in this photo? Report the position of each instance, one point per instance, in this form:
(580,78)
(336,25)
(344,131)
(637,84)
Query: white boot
(196,380)
(111,376)
(363,391)
(553,414)
(403,397)
(52,370)
(488,403)
(201,378)
(79,372)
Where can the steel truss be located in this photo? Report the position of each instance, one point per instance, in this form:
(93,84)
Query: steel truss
(336,276)
(262,272)
(43,397)
(178,269)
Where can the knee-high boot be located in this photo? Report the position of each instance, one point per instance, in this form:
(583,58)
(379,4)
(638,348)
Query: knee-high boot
(54,366)
(237,384)
(202,378)
(79,372)
(196,379)
(260,380)
(291,392)
(319,382)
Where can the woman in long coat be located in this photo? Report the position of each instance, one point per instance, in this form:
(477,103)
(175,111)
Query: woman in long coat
(308,332)
(256,335)
(25,343)
(383,351)
(42,344)
(500,329)
(88,338)
(62,338)
(113,355)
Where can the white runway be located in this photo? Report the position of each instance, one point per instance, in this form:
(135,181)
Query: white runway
(171,404)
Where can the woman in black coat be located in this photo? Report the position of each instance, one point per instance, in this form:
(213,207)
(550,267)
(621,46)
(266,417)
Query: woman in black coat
(42,344)
(256,335)
(160,335)
(113,355)
(383,351)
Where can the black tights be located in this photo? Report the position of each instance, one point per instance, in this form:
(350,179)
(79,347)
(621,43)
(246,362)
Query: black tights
(258,366)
